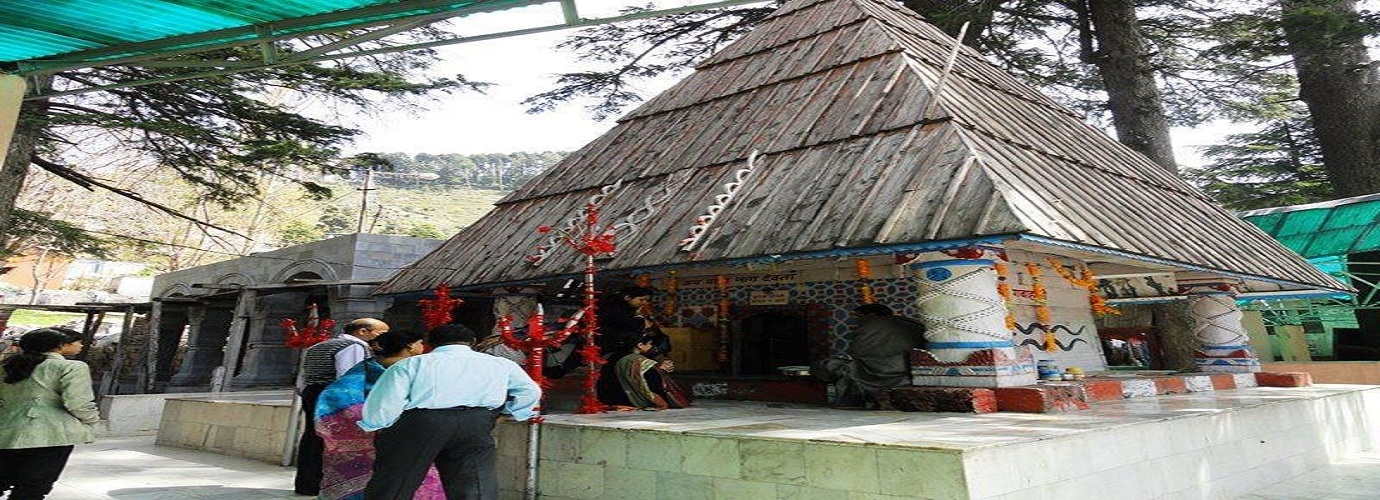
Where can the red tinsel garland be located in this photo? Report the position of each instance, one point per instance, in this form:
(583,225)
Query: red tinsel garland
(589,402)
(585,236)
(308,335)
(437,311)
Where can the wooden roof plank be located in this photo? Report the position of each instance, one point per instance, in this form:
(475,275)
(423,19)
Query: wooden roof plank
(830,91)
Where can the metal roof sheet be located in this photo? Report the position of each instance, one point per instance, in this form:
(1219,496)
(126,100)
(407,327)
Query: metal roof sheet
(1326,229)
(84,31)
(833,94)
(54,28)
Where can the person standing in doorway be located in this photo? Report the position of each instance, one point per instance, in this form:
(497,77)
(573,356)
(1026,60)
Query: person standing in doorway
(322,364)
(46,407)
(440,408)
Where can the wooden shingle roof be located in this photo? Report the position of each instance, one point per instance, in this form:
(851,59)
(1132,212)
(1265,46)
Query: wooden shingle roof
(831,93)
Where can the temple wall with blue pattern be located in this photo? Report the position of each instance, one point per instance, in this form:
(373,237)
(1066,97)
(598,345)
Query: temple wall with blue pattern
(837,290)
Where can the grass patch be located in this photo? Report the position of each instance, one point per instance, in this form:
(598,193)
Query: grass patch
(35,318)
(448,210)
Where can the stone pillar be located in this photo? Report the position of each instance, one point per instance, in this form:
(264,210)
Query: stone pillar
(5,313)
(166,325)
(1223,345)
(210,325)
(965,319)
(518,305)
(266,359)
(351,302)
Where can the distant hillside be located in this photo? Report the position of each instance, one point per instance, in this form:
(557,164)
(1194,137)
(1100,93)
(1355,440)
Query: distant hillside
(446,209)
(423,195)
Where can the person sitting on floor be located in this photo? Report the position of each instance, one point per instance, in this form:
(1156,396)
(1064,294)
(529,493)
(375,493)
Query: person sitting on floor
(646,381)
(876,359)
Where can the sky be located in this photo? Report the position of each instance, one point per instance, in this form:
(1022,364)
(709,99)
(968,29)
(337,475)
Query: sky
(522,66)
(496,121)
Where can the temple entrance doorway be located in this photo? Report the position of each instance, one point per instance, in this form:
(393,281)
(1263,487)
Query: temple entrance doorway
(769,337)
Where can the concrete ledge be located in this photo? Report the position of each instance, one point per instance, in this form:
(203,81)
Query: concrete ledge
(1293,379)
(141,414)
(250,425)
(1203,444)
(940,399)
(1331,372)
(1044,398)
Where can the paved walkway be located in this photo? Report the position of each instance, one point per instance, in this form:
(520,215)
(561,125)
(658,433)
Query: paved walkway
(133,468)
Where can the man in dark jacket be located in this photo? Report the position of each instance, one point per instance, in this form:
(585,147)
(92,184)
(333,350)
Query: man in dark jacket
(877,356)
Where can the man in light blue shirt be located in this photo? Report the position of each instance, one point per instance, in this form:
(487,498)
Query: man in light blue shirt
(440,408)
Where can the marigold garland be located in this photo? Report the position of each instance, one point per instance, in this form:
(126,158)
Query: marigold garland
(1004,289)
(1041,306)
(864,270)
(1087,281)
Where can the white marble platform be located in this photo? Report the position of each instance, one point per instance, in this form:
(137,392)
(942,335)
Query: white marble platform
(1203,445)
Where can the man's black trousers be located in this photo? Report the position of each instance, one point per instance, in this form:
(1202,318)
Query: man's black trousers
(310,446)
(458,440)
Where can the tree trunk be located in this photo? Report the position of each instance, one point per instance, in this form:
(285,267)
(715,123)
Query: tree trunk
(33,117)
(1129,79)
(1335,81)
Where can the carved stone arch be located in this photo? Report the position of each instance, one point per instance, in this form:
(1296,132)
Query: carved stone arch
(236,279)
(177,289)
(314,266)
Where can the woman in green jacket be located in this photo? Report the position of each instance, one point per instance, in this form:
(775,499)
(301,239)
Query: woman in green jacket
(46,407)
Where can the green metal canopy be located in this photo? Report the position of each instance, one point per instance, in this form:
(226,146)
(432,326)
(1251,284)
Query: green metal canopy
(45,37)
(39,35)
(1326,229)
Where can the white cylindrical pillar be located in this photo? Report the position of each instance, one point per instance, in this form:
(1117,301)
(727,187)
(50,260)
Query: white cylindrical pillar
(968,344)
(1223,345)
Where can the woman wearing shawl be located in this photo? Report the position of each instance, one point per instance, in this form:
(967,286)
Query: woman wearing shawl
(46,408)
(349,451)
(646,381)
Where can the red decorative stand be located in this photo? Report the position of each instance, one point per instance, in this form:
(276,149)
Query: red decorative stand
(314,332)
(437,311)
(586,236)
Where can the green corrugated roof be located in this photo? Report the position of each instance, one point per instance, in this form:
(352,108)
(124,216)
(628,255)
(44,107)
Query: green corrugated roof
(34,34)
(1326,229)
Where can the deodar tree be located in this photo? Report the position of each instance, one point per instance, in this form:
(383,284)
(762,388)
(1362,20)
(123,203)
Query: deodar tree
(220,134)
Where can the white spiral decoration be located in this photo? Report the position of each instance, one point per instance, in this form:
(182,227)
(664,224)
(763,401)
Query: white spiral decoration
(650,206)
(721,201)
(570,227)
(962,309)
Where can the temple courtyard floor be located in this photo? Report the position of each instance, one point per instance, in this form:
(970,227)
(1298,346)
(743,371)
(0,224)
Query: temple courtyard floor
(1258,443)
